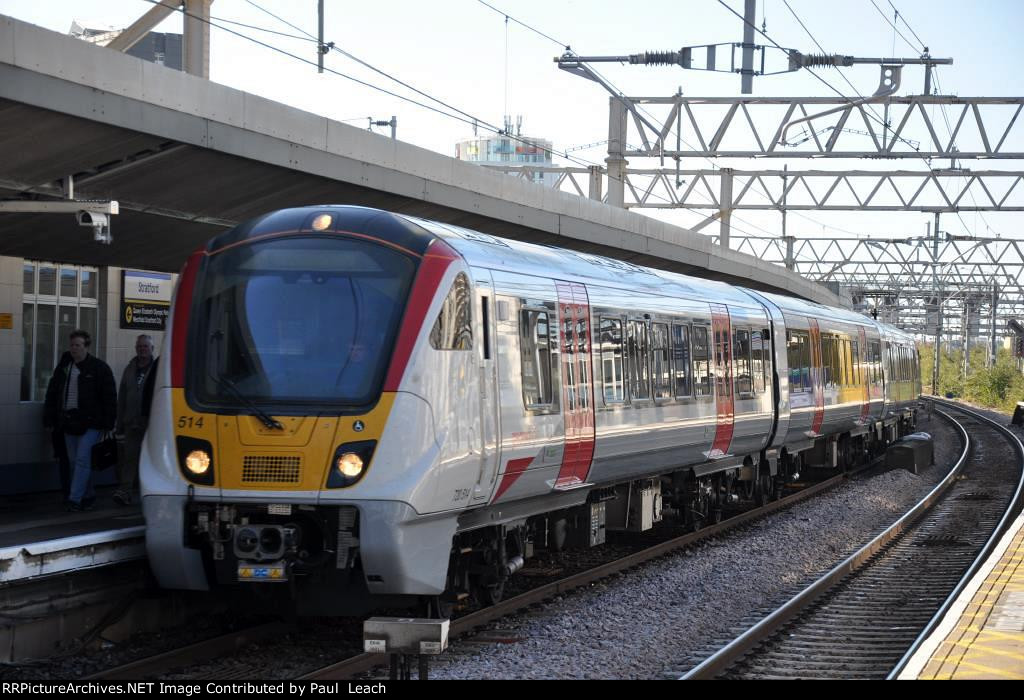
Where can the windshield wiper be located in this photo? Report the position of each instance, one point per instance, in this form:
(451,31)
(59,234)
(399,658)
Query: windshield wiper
(266,419)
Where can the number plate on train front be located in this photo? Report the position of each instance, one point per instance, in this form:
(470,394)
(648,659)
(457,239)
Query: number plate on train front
(265,573)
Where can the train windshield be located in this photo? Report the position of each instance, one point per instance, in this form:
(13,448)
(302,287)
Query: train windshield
(298,321)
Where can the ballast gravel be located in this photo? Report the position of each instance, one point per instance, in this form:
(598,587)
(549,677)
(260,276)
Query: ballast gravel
(658,621)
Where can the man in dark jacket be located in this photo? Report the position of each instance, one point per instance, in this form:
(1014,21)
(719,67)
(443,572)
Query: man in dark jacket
(133,399)
(81,400)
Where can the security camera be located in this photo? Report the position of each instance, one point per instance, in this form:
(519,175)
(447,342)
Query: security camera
(94,219)
(100,224)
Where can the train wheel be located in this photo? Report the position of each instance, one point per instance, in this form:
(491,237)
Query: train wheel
(843,454)
(720,489)
(439,607)
(489,594)
(765,485)
(697,503)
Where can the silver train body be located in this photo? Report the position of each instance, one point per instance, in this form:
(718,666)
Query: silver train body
(517,398)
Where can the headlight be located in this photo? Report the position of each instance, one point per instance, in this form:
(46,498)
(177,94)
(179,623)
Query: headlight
(350,464)
(322,222)
(197,462)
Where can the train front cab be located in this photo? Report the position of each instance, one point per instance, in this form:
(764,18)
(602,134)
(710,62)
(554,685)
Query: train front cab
(269,461)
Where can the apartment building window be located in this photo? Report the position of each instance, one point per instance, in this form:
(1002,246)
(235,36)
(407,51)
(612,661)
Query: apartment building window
(56,299)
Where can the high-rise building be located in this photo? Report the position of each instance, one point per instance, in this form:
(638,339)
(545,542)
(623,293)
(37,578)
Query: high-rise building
(509,149)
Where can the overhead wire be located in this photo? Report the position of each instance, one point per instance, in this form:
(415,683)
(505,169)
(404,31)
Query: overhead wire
(907,24)
(465,118)
(333,47)
(830,86)
(945,117)
(475,121)
(621,94)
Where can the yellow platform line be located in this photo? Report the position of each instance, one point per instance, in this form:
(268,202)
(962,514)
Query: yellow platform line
(987,670)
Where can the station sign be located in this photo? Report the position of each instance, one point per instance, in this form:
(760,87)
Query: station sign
(145,300)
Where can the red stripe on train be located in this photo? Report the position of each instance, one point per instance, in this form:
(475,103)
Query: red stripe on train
(513,470)
(721,334)
(432,269)
(182,312)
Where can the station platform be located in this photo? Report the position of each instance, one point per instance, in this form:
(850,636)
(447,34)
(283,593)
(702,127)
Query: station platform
(39,537)
(982,635)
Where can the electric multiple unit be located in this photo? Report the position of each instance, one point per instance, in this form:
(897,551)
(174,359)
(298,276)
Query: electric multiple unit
(379,409)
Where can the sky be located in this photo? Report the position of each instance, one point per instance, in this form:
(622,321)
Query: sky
(465,53)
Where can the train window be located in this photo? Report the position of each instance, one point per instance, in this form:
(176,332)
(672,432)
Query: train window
(823,343)
(843,346)
(297,322)
(701,364)
(610,334)
(837,361)
(568,365)
(453,328)
(847,362)
(637,353)
(741,361)
(876,362)
(826,360)
(660,368)
(834,371)
(798,358)
(583,361)
(535,336)
(723,387)
(758,359)
(858,380)
(681,371)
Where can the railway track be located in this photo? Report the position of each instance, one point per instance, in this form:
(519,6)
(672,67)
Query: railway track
(202,653)
(866,616)
(461,626)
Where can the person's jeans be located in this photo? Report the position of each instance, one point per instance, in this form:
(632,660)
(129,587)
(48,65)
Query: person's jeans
(80,456)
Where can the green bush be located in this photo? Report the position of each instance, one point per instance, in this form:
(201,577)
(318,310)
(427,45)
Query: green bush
(999,387)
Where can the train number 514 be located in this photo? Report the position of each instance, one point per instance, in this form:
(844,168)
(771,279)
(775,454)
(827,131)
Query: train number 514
(190,422)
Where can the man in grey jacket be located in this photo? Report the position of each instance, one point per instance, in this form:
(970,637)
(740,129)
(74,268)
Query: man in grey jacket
(133,400)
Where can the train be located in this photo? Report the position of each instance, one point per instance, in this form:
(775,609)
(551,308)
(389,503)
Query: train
(358,409)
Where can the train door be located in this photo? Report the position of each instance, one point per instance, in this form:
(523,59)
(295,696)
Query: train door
(817,377)
(722,335)
(489,437)
(776,353)
(861,365)
(527,352)
(577,384)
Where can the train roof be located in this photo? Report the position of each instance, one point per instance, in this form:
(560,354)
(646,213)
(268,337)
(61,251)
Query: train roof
(485,250)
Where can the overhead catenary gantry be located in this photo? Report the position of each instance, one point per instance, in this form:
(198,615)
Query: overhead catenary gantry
(933,140)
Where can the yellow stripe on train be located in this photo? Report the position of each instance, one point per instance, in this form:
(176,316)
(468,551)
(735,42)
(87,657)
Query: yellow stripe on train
(248,455)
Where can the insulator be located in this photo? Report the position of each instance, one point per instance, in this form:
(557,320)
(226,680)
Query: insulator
(816,59)
(657,58)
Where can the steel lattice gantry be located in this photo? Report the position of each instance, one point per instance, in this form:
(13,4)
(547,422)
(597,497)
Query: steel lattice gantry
(824,127)
(896,278)
(939,190)
(977,283)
